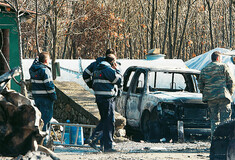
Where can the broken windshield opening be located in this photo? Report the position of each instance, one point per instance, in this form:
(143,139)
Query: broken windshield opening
(166,81)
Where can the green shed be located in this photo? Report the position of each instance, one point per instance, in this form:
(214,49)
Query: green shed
(9,40)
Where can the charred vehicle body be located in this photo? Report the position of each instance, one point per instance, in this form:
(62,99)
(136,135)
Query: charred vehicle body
(155,100)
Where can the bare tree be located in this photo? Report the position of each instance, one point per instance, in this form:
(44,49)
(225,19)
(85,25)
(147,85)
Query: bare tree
(231,22)
(166,26)
(184,28)
(152,23)
(210,22)
(132,27)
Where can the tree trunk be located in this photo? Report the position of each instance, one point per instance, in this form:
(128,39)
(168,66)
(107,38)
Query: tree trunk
(36,25)
(130,37)
(22,83)
(66,41)
(45,44)
(147,24)
(74,49)
(169,32)
(176,28)
(231,23)
(152,25)
(54,40)
(184,29)
(166,26)
(210,22)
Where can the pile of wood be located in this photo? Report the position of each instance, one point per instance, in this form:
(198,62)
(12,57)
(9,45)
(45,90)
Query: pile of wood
(20,122)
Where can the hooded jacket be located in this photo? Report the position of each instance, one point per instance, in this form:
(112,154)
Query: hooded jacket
(107,82)
(41,80)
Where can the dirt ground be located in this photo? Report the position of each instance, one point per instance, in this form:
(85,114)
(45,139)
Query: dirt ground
(197,150)
(130,150)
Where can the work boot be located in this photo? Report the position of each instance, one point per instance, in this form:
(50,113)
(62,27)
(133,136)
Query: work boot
(101,145)
(102,148)
(92,144)
(111,150)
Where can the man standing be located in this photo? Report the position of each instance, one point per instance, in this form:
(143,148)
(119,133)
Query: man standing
(43,88)
(107,82)
(87,77)
(217,85)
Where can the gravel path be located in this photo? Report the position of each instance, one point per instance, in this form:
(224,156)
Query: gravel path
(141,151)
(130,150)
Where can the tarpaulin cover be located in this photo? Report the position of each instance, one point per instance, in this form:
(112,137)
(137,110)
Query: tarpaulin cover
(202,60)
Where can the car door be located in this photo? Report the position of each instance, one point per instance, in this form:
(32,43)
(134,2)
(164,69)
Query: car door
(134,97)
(121,100)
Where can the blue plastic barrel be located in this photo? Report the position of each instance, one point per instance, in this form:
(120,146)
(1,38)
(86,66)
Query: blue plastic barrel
(66,138)
(67,133)
(80,140)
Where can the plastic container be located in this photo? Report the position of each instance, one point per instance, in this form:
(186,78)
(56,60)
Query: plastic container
(80,140)
(67,133)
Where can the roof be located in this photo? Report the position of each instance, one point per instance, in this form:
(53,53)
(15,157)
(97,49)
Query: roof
(168,69)
(5,5)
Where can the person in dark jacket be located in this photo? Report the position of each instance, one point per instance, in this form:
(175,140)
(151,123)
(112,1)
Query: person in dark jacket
(87,77)
(43,89)
(107,82)
(88,72)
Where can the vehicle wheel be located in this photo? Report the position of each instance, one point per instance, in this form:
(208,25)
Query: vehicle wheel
(155,131)
(218,149)
(144,125)
(231,150)
(156,126)
(223,142)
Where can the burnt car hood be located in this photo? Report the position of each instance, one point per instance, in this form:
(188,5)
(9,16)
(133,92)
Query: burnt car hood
(179,97)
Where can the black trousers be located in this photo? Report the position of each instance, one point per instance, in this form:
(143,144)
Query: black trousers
(106,108)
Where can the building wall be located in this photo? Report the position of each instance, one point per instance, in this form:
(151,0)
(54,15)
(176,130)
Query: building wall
(8,21)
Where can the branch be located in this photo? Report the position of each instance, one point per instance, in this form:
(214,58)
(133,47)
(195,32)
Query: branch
(86,30)
(60,6)
(10,5)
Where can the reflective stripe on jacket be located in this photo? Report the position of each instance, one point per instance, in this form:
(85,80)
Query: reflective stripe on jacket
(88,72)
(106,80)
(41,80)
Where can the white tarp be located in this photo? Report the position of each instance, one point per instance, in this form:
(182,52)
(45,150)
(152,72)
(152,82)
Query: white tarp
(202,60)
